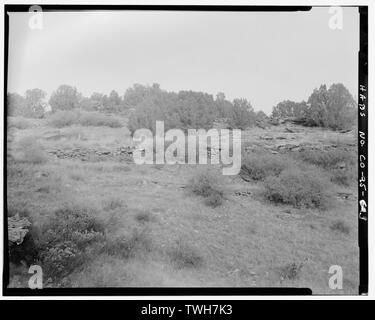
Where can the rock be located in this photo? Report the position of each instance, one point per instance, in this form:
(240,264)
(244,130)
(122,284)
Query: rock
(341,165)
(41,174)
(243,193)
(344,195)
(266,138)
(345,131)
(17,229)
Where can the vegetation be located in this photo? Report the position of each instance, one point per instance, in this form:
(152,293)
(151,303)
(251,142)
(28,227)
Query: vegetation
(206,184)
(298,188)
(61,119)
(340,163)
(20,123)
(31,151)
(334,108)
(290,271)
(259,166)
(340,226)
(128,240)
(184,255)
(30,106)
(64,98)
(97,119)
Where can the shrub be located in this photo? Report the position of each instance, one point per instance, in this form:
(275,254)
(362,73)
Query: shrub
(31,151)
(298,188)
(144,216)
(183,255)
(206,184)
(341,226)
(65,238)
(18,123)
(290,271)
(257,166)
(343,177)
(61,119)
(340,163)
(214,199)
(97,119)
(328,159)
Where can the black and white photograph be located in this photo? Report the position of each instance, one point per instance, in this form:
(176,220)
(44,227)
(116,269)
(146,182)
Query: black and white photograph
(150,148)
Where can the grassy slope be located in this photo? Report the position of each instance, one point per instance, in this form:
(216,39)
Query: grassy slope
(245,242)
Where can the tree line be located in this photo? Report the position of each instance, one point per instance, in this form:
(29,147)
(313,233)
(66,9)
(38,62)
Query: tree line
(334,107)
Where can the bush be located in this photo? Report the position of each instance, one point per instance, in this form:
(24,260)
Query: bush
(144,216)
(65,238)
(340,163)
(183,255)
(18,123)
(343,177)
(290,271)
(31,151)
(67,118)
(257,166)
(298,188)
(328,159)
(97,119)
(206,184)
(214,200)
(61,119)
(340,226)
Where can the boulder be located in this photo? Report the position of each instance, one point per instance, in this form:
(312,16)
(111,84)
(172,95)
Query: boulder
(17,229)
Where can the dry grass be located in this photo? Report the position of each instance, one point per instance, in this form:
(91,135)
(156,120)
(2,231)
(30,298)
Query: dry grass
(61,119)
(31,151)
(97,120)
(19,123)
(298,188)
(243,242)
(340,226)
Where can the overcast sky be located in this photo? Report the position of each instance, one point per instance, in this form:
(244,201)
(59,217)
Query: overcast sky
(264,57)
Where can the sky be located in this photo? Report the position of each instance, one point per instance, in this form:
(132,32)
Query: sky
(265,57)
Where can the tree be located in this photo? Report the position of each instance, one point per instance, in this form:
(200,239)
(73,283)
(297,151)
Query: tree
(317,113)
(341,107)
(138,93)
(220,96)
(16,104)
(114,102)
(65,98)
(261,116)
(34,103)
(242,114)
(289,109)
(334,108)
(114,98)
